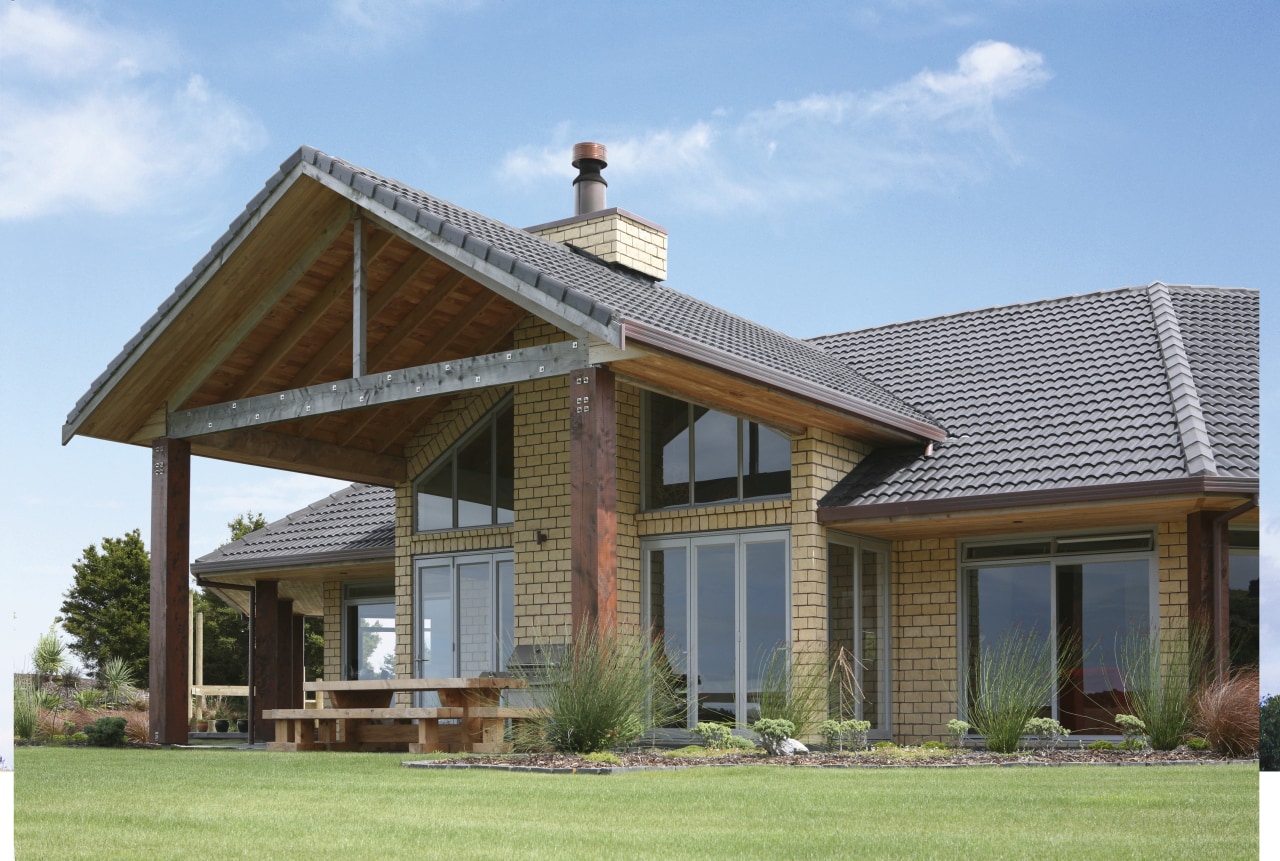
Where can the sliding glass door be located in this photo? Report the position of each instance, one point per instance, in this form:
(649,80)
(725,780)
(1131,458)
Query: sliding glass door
(721,604)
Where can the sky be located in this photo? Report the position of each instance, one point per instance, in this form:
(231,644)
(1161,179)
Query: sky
(820,167)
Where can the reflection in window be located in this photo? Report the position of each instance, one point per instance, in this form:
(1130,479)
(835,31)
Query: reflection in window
(697,456)
(369,631)
(1243,598)
(858,619)
(472,484)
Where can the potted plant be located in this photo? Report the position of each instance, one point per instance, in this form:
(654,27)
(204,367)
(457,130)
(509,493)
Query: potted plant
(221,719)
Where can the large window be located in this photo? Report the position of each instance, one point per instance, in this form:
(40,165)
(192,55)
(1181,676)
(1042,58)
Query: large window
(473,483)
(697,456)
(858,619)
(465,614)
(721,604)
(1084,594)
(369,631)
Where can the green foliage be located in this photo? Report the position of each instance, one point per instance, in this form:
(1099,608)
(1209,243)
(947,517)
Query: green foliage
(1132,726)
(773,732)
(603,757)
(715,736)
(1046,731)
(26,711)
(957,730)
(737,742)
(839,733)
(1162,671)
(313,648)
(1269,734)
(107,610)
(795,686)
(117,680)
(935,745)
(1013,681)
(106,732)
(1101,744)
(1133,744)
(48,700)
(49,655)
(246,523)
(226,640)
(1197,743)
(606,690)
(884,745)
(87,699)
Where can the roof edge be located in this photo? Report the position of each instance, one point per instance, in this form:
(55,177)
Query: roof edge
(1193,431)
(227,566)
(904,425)
(1201,485)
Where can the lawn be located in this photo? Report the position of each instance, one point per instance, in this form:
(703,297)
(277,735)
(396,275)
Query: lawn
(90,803)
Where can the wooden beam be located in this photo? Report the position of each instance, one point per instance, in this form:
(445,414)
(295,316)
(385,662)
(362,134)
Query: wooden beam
(265,651)
(593,459)
(377,302)
(298,454)
(425,307)
(359,302)
(316,308)
(328,232)
(406,384)
(170,592)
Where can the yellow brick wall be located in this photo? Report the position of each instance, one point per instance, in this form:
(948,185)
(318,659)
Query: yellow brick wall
(1171,541)
(819,459)
(332,594)
(924,657)
(628,408)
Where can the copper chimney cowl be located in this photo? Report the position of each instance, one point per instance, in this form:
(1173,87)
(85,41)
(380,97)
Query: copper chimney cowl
(589,186)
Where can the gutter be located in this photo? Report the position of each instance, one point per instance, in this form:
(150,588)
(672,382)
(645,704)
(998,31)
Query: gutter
(874,413)
(1198,485)
(374,554)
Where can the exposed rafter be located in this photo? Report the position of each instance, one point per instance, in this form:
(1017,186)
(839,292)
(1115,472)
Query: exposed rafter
(423,381)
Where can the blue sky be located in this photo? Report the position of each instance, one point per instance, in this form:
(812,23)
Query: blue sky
(821,167)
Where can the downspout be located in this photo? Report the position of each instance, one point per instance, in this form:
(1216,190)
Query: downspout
(253,606)
(1221,599)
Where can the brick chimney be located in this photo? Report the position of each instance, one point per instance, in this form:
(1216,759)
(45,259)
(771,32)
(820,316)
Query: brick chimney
(616,236)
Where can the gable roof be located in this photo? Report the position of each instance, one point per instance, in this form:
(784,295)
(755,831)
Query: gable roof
(1121,388)
(355,524)
(577,292)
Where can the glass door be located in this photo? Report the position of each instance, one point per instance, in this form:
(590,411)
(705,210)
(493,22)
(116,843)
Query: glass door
(369,631)
(858,622)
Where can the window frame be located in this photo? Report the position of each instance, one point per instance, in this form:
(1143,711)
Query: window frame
(500,649)
(375,592)
(884,617)
(691,489)
(487,423)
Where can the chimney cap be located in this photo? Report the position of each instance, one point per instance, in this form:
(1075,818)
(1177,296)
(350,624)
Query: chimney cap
(588,150)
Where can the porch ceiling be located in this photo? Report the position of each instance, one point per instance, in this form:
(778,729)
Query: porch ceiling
(276,314)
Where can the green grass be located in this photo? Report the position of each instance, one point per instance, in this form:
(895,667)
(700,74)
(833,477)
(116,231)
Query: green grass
(87,803)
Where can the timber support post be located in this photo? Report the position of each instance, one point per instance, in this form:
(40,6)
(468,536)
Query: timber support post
(593,464)
(265,647)
(170,590)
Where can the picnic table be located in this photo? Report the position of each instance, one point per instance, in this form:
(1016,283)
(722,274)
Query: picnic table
(362,715)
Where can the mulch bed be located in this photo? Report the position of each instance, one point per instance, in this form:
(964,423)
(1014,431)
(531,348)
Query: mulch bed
(913,758)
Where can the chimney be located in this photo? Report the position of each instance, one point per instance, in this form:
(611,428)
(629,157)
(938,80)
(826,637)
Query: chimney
(617,237)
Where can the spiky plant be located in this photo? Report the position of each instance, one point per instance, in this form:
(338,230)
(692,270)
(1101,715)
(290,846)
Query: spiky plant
(1162,671)
(1015,678)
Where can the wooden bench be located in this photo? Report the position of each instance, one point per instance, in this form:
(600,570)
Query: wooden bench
(416,730)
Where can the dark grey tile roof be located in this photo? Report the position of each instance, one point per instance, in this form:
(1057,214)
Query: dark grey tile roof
(577,281)
(1063,393)
(357,523)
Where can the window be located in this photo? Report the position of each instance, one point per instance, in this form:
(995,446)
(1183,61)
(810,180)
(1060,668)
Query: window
(369,631)
(858,619)
(465,614)
(1243,598)
(1088,599)
(473,483)
(696,456)
(722,605)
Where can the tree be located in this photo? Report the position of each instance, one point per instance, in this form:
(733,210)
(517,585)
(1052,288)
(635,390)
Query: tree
(107,610)
(246,523)
(1269,735)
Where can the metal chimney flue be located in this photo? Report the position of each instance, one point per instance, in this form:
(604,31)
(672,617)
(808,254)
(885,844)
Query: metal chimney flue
(589,186)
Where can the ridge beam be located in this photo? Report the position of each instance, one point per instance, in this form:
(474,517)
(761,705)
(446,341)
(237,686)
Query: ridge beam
(370,390)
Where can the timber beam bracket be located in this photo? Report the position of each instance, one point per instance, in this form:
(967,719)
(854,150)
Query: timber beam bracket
(371,390)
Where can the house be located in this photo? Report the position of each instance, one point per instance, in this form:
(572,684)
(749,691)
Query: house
(544,435)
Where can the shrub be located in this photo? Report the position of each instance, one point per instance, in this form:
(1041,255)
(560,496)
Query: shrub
(47,699)
(773,732)
(117,680)
(1161,672)
(106,732)
(1046,731)
(795,686)
(606,690)
(885,745)
(1227,714)
(50,655)
(934,745)
(1269,734)
(957,730)
(737,742)
(715,736)
(1014,679)
(1134,729)
(602,756)
(1101,744)
(137,726)
(839,733)
(87,699)
(1197,743)
(26,712)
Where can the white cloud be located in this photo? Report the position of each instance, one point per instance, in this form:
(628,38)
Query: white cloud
(358,26)
(102,118)
(937,128)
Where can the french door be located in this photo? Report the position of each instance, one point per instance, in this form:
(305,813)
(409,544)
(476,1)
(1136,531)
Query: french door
(722,605)
(464,614)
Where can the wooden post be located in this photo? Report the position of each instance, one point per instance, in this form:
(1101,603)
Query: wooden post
(297,697)
(359,303)
(593,459)
(286,669)
(170,589)
(265,647)
(199,668)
